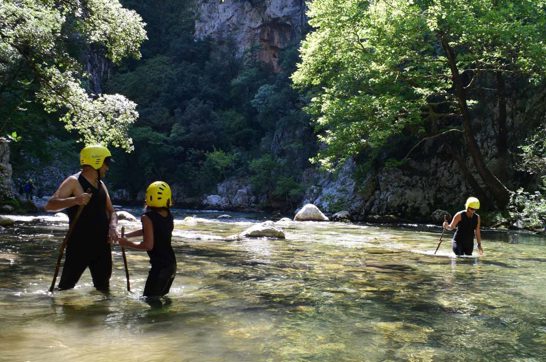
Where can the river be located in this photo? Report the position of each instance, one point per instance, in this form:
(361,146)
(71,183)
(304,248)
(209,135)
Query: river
(328,292)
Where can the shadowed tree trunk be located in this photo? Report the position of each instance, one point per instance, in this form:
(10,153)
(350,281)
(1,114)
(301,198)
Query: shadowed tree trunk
(500,193)
(502,136)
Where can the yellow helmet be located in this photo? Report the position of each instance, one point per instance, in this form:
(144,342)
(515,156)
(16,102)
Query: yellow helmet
(158,194)
(473,203)
(94,156)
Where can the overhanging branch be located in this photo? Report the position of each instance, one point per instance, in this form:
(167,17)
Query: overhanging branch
(430,138)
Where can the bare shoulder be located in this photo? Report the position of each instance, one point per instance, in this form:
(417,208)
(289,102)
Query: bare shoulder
(70,186)
(73,178)
(146,222)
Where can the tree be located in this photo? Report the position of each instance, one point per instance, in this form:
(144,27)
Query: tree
(382,68)
(42,47)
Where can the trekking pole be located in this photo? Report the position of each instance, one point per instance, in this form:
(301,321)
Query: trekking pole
(63,244)
(443,229)
(125,260)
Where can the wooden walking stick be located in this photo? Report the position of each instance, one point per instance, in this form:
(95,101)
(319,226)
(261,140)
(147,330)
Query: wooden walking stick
(443,229)
(63,246)
(125,260)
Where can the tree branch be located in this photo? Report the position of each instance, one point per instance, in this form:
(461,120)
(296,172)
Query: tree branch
(429,138)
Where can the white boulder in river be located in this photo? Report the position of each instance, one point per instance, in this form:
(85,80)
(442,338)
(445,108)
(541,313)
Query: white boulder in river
(310,212)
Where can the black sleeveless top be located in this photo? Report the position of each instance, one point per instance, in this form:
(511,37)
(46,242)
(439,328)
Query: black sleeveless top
(91,229)
(465,229)
(162,253)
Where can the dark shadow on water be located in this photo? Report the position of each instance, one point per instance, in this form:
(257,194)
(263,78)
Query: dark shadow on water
(158,303)
(211,253)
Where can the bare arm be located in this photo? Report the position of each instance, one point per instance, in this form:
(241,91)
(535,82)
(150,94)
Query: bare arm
(69,193)
(112,216)
(479,236)
(134,233)
(147,232)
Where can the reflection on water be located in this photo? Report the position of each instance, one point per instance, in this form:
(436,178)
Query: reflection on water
(329,292)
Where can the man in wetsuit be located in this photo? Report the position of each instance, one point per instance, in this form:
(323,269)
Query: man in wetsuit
(467,223)
(95,229)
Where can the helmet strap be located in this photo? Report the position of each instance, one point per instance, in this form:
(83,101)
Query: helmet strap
(98,179)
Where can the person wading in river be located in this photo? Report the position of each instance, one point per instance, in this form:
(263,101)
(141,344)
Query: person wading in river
(467,223)
(156,232)
(95,228)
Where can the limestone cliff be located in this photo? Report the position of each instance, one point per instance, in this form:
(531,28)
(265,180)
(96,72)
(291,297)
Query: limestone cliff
(262,28)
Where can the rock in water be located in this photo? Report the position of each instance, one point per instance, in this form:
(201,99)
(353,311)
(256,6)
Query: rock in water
(310,212)
(265,229)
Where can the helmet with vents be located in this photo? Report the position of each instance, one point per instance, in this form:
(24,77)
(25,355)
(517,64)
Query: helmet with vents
(94,156)
(158,194)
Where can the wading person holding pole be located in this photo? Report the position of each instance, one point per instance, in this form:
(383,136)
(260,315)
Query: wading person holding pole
(92,221)
(156,233)
(467,223)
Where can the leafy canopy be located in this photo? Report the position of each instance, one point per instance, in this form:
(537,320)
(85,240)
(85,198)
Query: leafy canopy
(42,47)
(377,68)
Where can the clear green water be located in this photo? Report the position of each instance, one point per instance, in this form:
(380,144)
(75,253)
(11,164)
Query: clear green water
(329,292)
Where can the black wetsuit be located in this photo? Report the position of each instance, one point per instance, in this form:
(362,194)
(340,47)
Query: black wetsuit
(463,240)
(88,246)
(162,258)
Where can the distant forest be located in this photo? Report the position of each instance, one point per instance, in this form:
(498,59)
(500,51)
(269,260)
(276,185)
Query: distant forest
(204,116)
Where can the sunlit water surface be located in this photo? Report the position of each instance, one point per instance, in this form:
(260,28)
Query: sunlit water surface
(329,292)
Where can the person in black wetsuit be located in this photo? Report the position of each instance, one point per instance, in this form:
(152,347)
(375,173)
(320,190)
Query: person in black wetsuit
(95,229)
(156,232)
(467,223)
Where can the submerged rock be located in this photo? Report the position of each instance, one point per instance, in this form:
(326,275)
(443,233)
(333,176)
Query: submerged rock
(342,216)
(266,229)
(284,221)
(310,212)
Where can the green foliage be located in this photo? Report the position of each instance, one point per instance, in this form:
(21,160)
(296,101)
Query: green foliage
(264,170)
(14,137)
(533,155)
(378,69)
(272,177)
(41,43)
(203,114)
(528,210)
(288,189)
(218,163)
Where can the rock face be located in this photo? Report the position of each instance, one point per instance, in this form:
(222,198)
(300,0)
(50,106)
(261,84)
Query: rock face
(413,193)
(6,183)
(267,26)
(231,194)
(334,192)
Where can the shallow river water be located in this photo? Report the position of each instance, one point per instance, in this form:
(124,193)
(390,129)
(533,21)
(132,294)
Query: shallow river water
(329,292)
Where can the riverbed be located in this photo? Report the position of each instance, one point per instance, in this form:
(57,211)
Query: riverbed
(328,292)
